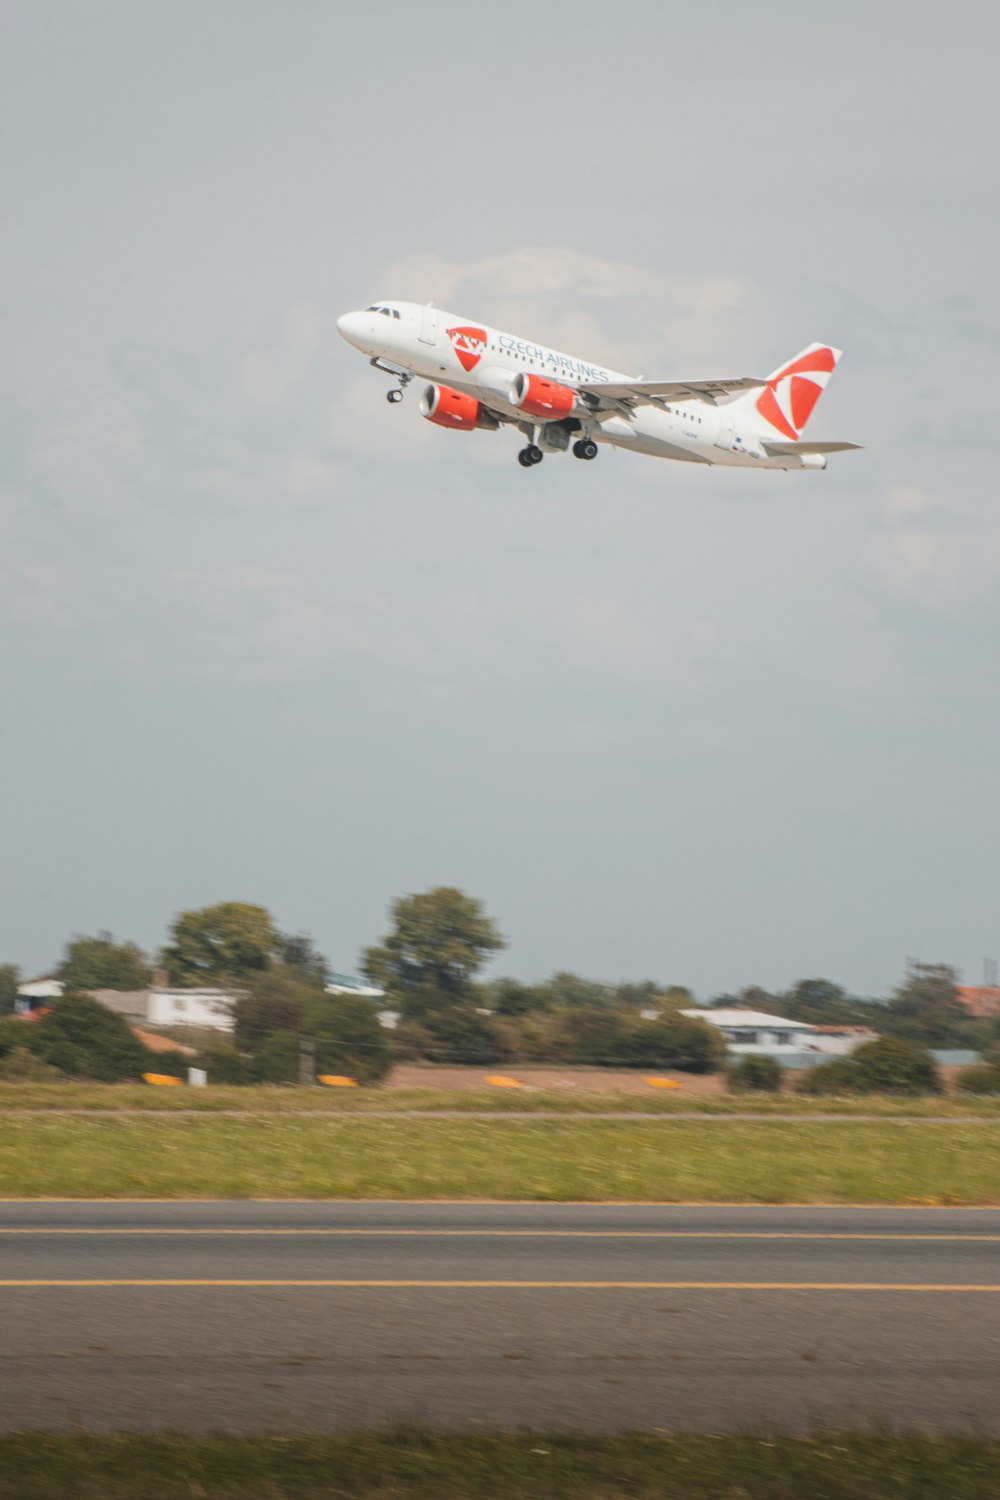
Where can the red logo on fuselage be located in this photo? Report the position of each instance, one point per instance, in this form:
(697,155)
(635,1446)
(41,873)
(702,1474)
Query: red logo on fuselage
(469,344)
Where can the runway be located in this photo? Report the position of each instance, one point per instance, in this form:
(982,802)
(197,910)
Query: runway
(247,1316)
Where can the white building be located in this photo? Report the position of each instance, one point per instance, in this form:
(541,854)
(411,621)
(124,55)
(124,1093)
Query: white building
(346,984)
(206,1009)
(752,1033)
(38,993)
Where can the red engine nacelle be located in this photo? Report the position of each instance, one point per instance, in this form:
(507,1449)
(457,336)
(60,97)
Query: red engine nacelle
(542,398)
(450,408)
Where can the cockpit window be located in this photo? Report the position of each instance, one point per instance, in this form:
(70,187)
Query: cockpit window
(387,312)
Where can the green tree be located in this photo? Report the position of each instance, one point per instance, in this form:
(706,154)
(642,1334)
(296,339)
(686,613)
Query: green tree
(754,1075)
(570,990)
(820,1002)
(439,941)
(889,1065)
(10,978)
(83,1038)
(350,1039)
(223,944)
(925,1008)
(274,1001)
(298,954)
(508,997)
(99,963)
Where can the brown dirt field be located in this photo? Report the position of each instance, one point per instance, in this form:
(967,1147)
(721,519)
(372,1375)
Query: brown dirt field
(548,1080)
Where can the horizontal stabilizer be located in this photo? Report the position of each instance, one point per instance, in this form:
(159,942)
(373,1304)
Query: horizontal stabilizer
(783,448)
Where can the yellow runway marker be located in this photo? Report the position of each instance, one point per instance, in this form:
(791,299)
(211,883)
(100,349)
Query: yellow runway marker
(550,1286)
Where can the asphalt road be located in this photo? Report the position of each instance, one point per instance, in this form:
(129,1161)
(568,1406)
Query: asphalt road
(269,1316)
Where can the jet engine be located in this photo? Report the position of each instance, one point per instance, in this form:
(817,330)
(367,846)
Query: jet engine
(538,397)
(450,408)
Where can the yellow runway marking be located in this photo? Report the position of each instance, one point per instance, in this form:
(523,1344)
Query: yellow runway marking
(522,1234)
(594,1286)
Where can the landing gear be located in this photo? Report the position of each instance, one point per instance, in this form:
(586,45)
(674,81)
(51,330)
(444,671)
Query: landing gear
(393,396)
(530,456)
(585,448)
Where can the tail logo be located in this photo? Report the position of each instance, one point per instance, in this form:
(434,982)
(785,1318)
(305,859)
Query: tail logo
(793,391)
(469,344)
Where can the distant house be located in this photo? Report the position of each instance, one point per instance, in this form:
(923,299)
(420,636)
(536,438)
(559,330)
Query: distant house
(206,1008)
(346,984)
(980,1000)
(38,994)
(752,1033)
(157,1006)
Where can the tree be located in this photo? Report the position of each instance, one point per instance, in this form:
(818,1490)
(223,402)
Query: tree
(925,1008)
(272,1002)
(297,952)
(99,963)
(886,1066)
(350,1039)
(222,944)
(10,978)
(508,997)
(569,990)
(83,1038)
(754,1075)
(439,942)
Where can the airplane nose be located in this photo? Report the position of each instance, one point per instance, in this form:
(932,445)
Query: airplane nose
(351,326)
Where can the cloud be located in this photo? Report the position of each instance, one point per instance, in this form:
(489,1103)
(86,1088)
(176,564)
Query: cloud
(609,310)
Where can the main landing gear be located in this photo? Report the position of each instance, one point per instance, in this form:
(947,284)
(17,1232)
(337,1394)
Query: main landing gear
(585,448)
(530,456)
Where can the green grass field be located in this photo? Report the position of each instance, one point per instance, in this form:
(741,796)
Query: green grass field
(414,1465)
(112,1098)
(714,1160)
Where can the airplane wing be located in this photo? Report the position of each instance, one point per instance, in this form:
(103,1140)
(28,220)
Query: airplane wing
(776,448)
(657,392)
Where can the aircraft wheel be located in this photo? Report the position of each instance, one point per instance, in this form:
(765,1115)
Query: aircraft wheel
(523,458)
(534,454)
(393,396)
(585,449)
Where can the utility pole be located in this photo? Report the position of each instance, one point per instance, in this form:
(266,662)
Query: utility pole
(307,1060)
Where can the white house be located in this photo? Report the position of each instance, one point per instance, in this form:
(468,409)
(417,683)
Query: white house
(37,993)
(346,984)
(752,1033)
(158,1006)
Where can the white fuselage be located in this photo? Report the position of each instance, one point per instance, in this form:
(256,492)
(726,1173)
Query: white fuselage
(471,357)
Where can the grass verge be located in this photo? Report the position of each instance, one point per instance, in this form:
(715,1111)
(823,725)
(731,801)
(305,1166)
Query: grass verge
(827,1466)
(103,1098)
(808,1161)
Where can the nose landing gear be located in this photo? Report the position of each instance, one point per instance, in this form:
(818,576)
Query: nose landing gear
(393,396)
(530,456)
(585,448)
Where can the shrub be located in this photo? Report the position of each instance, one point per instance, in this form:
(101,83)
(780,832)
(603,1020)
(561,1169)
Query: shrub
(754,1075)
(83,1038)
(224,1063)
(277,1061)
(983,1079)
(19,1065)
(886,1066)
(350,1038)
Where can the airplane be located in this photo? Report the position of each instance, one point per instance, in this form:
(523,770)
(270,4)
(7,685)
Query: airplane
(482,378)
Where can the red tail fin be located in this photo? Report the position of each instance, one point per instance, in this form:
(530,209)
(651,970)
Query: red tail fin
(793,390)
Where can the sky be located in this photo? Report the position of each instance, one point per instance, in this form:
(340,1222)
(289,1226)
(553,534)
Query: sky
(264,637)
